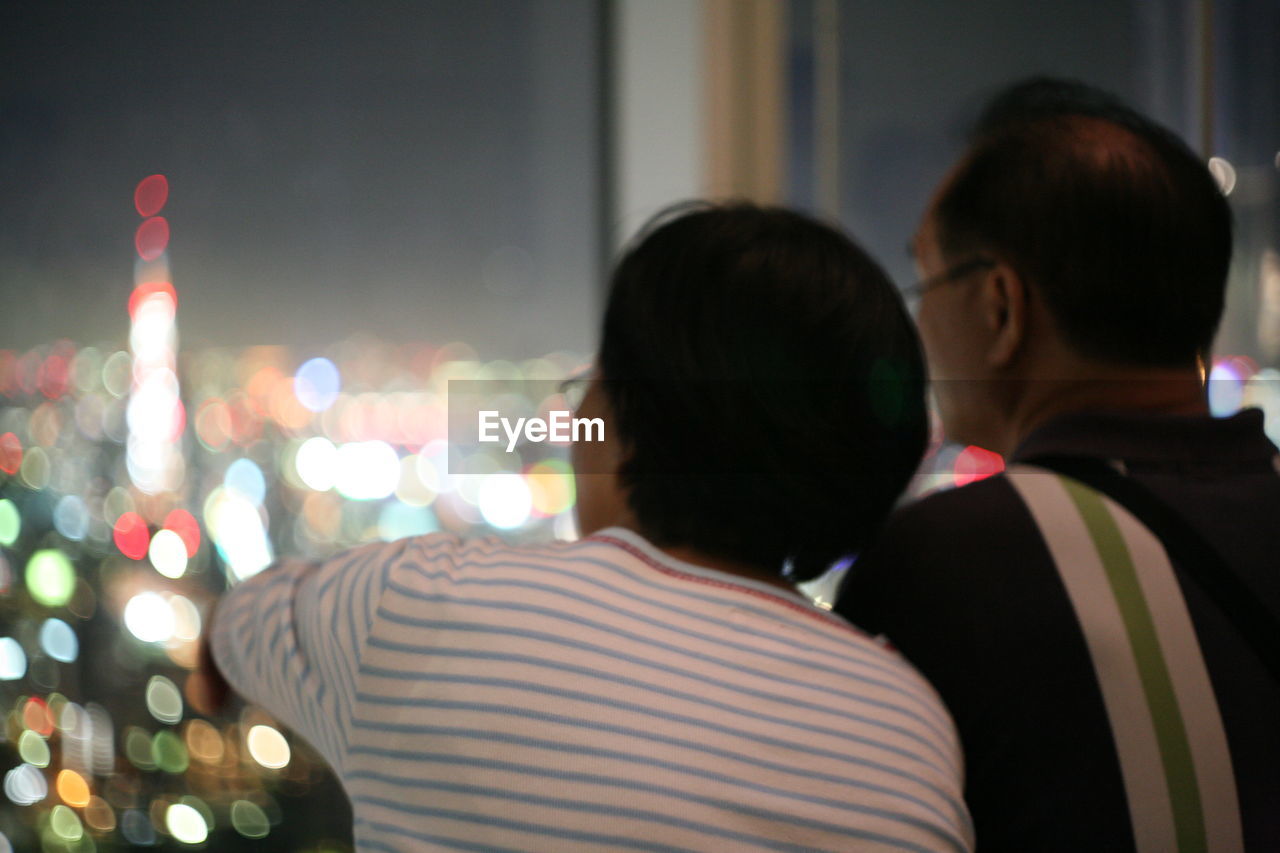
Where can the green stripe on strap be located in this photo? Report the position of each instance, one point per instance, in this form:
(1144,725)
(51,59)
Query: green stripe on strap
(1170,731)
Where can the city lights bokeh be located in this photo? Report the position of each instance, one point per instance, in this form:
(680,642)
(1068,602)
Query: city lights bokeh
(122,519)
(117,536)
(139,480)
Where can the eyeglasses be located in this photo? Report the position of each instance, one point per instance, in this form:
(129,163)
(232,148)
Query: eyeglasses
(914,292)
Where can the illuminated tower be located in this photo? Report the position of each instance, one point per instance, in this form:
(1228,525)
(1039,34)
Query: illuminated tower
(155,415)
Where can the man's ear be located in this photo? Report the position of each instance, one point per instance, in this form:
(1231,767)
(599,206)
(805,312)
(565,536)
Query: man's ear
(1004,296)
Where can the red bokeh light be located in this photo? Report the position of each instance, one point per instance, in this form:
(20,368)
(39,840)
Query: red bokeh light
(53,376)
(152,238)
(151,194)
(132,536)
(974,464)
(10,453)
(36,716)
(185,525)
(148,289)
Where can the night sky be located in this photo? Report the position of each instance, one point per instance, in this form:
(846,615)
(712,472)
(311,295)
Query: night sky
(428,171)
(420,171)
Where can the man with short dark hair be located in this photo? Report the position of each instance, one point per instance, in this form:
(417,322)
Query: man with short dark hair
(1100,619)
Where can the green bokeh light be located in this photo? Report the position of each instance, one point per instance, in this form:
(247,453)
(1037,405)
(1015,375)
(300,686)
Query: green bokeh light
(65,824)
(10,523)
(137,748)
(169,753)
(33,749)
(249,820)
(50,577)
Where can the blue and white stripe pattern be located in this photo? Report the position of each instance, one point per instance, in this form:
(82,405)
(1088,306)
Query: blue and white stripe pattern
(594,696)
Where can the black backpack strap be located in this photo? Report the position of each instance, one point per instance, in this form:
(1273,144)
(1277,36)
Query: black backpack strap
(1187,549)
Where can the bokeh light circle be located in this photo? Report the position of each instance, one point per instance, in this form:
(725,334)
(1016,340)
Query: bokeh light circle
(367,470)
(137,748)
(131,535)
(65,824)
(150,195)
(317,384)
(245,477)
(186,824)
(24,785)
(204,741)
(238,530)
(59,641)
(10,453)
(149,617)
(185,525)
(551,486)
(164,700)
(316,463)
(152,238)
(137,829)
(169,753)
(36,469)
(168,554)
(99,815)
(10,523)
(186,618)
(249,820)
(71,517)
(13,660)
(268,747)
(505,501)
(72,788)
(36,716)
(50,578)
(34,749)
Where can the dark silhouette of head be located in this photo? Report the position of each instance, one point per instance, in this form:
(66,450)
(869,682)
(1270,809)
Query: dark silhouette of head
(1116,223)
(767,385)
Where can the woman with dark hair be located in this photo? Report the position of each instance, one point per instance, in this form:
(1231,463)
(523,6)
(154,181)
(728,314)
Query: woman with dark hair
(656,685)
(766,384)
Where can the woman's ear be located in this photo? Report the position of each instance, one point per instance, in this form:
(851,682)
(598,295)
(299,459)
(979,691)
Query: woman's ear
(1004,308)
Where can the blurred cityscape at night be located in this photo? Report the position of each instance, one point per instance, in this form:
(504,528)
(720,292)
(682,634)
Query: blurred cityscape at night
(244,250)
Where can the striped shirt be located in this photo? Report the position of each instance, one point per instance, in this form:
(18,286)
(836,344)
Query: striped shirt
(596,695)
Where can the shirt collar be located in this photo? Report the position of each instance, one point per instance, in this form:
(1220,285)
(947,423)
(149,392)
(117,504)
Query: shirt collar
(1142,436)
(657,555)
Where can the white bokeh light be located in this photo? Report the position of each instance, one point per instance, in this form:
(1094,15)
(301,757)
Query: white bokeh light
(317,463)
(268,747)
(168,554)
(186,824)
(149,617)
(505,501)
(367,470)
(237,529)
